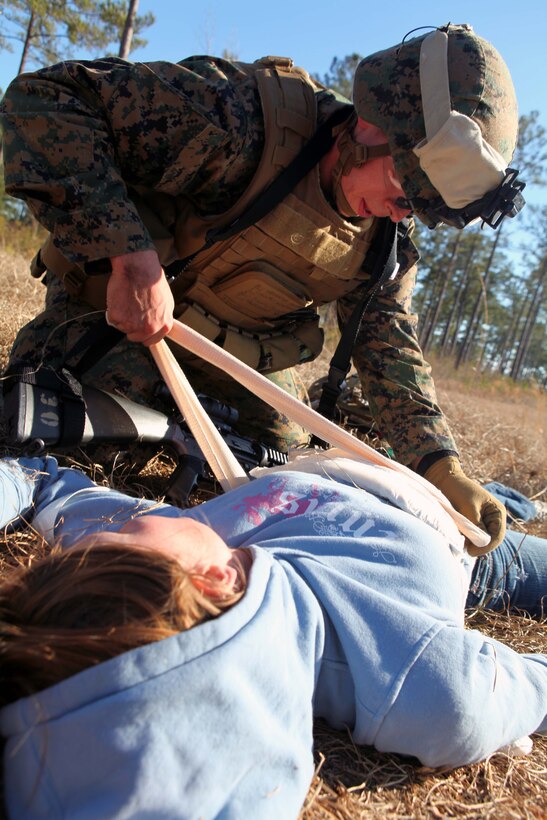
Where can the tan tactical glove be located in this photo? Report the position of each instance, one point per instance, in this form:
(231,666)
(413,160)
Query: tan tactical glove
(471,500)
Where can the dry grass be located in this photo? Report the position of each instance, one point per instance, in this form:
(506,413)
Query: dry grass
(21,298)
(500,429)
(501,434)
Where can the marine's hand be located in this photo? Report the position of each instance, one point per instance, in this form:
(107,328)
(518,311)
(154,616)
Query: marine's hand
(138,299)
(470,499)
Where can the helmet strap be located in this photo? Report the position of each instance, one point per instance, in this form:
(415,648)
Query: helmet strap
(351,154)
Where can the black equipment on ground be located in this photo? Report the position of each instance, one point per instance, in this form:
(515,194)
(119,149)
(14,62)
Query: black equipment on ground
(64,415)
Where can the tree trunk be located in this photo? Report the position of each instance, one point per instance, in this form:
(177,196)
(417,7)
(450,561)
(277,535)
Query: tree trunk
(484,346)
(511,336)
(526,334)
(428,335)
(457,303)
(127,34)
(26,44)
(473,324)
(522,352)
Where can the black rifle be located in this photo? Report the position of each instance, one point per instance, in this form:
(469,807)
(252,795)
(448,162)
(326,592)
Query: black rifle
(40,417)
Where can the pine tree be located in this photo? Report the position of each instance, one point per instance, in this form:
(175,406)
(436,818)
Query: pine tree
(50,30)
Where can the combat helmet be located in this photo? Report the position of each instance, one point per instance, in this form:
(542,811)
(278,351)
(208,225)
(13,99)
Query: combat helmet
(446,103)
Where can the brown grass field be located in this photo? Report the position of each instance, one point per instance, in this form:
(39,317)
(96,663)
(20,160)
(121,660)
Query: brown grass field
(501,432)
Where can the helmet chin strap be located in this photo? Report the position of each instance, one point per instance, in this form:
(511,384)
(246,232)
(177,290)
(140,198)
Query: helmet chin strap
(351,154)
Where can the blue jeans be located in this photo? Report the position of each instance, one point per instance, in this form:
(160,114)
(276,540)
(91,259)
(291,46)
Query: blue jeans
(512,576)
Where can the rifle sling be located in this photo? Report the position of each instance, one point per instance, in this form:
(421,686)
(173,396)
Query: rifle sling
(96,342)
(385,267)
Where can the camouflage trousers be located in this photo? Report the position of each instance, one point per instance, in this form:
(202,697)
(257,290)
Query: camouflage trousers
(129,370)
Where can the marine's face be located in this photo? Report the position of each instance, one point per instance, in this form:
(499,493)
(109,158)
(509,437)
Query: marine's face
(373,188)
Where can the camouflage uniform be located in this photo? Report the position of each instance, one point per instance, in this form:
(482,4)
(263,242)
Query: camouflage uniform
(81,137)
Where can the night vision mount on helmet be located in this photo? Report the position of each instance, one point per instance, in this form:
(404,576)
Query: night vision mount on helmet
(505,200)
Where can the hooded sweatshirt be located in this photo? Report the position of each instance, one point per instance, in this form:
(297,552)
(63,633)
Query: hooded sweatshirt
(353,613)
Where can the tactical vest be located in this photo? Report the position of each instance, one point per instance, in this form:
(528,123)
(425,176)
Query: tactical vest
(256,293)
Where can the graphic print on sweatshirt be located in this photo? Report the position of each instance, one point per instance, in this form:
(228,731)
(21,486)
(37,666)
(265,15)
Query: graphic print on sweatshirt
(328,512)
(277,499)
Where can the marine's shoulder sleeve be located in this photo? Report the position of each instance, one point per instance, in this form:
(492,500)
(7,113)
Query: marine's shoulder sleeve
(396,378)
(79,136)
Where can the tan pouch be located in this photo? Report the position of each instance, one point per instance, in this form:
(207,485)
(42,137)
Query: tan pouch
(265,291)
(245,347)
(267,351)
(200,294)
(251,297)
(301,345)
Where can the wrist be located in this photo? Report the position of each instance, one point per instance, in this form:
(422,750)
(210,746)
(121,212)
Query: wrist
(430,459)
(142,267)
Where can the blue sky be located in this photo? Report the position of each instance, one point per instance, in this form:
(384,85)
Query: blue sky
(312,33)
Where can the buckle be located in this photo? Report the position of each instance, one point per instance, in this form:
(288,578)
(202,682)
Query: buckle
(336,379)
(276,62)
(73,281)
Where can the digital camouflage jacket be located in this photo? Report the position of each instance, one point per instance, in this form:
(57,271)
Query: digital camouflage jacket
(83,140)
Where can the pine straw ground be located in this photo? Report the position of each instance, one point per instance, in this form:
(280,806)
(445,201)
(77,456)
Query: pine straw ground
(501,433)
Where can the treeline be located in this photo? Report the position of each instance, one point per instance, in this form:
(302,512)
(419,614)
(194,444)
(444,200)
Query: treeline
(481,299)
(481,293)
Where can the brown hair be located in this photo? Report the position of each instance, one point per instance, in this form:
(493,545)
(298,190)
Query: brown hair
(73,609)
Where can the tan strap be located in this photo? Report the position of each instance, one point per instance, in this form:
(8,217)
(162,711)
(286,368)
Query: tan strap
(353,154)
(226,468)
(311,420)
(434,82)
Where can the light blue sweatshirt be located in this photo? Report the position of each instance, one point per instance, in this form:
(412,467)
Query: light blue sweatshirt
(353,613)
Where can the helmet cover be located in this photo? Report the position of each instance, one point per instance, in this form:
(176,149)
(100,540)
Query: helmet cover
(387,93)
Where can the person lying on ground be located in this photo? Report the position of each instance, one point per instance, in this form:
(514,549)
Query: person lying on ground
(168,662)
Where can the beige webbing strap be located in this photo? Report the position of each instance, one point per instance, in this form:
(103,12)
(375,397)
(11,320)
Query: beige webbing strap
(310,419)
(226,468)
(434,84)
